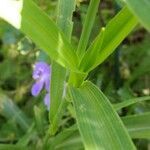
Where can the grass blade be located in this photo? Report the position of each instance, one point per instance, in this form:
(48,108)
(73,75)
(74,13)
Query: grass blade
(138,125)
(68,139)
(89,58)
(98,122)
(9,110)
(58,76)
(64,16)
(130,102)
(27,17)
(88,24)
(115,32)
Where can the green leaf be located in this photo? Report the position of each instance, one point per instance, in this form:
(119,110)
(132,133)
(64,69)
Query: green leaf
(58,75)
(67,139)
(140,9)
(72,143)
(55,122)
(28,136)
(89,58)
(11,147)
(115,32)
(64,16)
(138,125)
(88,24)
(99,125)
(129,102)
(39,119)
(27,17)
(9,110)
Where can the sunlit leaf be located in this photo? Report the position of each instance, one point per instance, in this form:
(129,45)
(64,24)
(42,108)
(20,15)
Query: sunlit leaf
(115,32)
(27,17)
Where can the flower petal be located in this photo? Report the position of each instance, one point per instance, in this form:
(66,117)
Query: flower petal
(47,100)
(37,87)
(47,84)
(40,69)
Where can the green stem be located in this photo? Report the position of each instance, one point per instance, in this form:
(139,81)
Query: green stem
(76,79)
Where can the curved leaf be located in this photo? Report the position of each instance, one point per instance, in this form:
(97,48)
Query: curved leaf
(140,8)
(27,17)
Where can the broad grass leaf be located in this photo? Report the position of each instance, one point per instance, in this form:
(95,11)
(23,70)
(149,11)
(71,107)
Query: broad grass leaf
(99,125)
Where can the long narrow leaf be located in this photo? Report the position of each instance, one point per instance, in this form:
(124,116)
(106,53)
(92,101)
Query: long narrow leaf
(90,56)
(88,24)
(9,110)
(27,17)
(138,125)
(98,122)
(130,102)
(64,16)
(115,32)
(69,139)
(58,76)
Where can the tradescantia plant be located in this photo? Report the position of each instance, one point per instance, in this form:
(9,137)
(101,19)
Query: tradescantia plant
(65,81)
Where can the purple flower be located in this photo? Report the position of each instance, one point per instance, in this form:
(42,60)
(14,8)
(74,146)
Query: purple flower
(47,100)
(41,74)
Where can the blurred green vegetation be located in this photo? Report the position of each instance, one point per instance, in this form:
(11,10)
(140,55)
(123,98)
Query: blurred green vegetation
(124,75)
